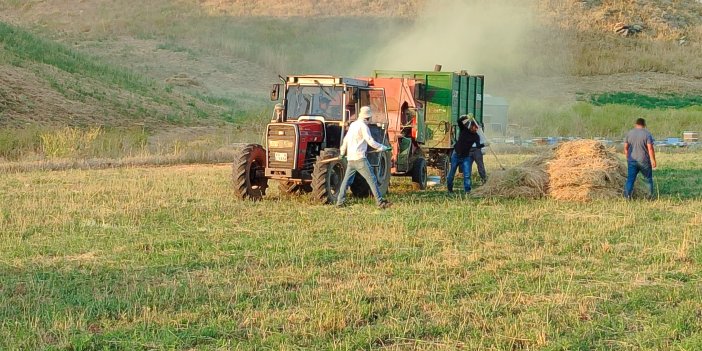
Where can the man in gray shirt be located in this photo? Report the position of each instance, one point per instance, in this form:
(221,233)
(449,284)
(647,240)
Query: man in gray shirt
(640,156)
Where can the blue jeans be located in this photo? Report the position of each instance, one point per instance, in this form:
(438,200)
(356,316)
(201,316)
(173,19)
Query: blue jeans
(466,163)
(363,168)
(633,169)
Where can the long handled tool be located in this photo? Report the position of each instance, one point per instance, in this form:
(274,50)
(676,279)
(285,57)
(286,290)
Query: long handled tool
(496,158)
(339,157)
(322,162)
(490,147)
(658,190)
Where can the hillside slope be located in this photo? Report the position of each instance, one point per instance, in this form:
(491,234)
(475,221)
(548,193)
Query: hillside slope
(182,56)
(42,82)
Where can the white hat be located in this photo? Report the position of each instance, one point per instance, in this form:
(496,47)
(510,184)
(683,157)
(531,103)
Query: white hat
(365,112)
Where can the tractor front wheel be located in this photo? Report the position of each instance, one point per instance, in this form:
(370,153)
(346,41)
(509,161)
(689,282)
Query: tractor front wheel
(248,173)
(326,181)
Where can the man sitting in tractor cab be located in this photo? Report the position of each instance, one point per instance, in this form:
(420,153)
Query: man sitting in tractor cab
(323,108)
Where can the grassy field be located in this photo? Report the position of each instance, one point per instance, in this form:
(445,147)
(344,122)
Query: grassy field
(606,116)
(166,258)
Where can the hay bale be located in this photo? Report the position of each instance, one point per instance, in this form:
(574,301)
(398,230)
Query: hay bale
(580,170)
(584,170)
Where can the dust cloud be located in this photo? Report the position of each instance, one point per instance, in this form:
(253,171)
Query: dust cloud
(482,37)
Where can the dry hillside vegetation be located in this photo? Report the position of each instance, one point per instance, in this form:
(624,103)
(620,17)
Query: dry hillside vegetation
(233,50)
(313,8)
(659,19)
(176,65)
(40,94)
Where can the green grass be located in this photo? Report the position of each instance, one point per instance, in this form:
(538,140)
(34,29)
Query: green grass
(167,258)
(584,119)
(669,101)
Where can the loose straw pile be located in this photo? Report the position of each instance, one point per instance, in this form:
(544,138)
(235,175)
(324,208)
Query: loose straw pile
(528,180)
(580,170)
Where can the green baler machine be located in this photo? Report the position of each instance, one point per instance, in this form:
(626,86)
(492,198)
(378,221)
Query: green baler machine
(446,97)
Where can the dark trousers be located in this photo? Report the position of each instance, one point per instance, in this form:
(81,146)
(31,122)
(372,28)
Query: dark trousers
(633,170)
(477,156)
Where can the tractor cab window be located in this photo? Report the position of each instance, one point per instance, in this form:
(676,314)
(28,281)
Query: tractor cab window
(316,101)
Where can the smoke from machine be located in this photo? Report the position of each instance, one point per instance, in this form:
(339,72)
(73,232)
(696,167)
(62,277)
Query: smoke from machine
(480,36)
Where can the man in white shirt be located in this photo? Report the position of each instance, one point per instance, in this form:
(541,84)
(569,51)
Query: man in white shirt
(354,148)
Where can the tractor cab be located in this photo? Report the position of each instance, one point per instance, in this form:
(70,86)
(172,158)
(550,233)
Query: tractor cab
(333,101)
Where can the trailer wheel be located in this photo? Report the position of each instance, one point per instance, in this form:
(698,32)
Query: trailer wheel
(326,181)
(383,173)
(292,188)
(419,174)
(360,187)
(248,173)
(444,166)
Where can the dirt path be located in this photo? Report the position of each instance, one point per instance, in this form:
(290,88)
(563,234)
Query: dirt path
(569,88)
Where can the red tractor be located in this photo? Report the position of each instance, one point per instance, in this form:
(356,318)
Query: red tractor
(303,141)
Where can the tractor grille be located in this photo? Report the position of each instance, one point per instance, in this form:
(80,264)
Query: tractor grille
(282,142)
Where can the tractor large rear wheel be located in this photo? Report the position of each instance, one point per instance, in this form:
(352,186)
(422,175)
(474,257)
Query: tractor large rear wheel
(326,181)
(419,174)
(360,187)
(248,173)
